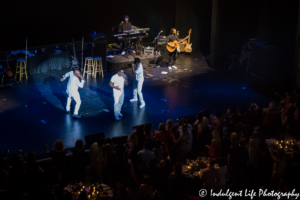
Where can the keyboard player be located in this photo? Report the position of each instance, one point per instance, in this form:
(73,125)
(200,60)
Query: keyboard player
(124,26)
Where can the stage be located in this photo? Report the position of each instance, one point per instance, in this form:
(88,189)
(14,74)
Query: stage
(33,113)
(119,61)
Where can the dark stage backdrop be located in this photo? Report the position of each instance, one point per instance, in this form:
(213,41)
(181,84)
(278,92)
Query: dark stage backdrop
(195,15)
(273,21)
(56,21)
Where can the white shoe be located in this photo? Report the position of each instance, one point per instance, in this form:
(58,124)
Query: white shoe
(120,115)
(174,67)
(142,105)
(117,118)
(170,67)
(133,99)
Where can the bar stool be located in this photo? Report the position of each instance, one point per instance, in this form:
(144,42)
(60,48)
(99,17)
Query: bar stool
(21,68)
(98,67)
(87,66)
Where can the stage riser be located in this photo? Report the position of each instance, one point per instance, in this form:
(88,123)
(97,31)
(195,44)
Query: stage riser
(115,64)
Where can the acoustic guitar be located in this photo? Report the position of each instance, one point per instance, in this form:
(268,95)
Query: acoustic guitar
(171,46)
(188,46)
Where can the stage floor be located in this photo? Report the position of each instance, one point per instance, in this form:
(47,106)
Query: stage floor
(33,113)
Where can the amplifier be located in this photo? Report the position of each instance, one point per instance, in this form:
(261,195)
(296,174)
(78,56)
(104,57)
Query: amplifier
(96,37)
(162,40)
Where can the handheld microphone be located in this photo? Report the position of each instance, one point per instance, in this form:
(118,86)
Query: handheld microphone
(121,22)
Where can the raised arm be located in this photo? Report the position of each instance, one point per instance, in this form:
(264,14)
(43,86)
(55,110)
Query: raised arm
(65,76)
(80,83)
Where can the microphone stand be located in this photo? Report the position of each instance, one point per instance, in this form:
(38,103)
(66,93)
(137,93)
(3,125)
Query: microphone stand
(154,41)
(112,29)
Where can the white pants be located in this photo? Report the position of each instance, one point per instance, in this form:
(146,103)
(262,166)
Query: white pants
(137,89)
(119,99)
(76,97)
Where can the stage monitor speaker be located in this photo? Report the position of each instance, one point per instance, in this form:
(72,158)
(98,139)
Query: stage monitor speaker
(263,61)
(90,139)
(119,140)
(192,118)
(98,49)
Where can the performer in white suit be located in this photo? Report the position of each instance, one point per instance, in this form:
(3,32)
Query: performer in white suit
(117,83)
(137,70)
(72,90)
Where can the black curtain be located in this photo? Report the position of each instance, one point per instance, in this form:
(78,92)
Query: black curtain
(195,15)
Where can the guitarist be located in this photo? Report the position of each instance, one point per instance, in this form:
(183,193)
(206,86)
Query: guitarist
(171,38)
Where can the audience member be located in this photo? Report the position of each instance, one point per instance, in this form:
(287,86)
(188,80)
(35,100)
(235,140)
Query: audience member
(149,135)
(79,162)
(210,176)
(174,143)
(187,139)
(158,152)
(162,135)
(278,167)
(253,153)
(145,154)
(237,159)
(215,148)
(96,159)
(217,121)
(222,171)
(145,190)
(169,124)
(58,154)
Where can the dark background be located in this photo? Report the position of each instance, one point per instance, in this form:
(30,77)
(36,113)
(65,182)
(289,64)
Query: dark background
(56,21)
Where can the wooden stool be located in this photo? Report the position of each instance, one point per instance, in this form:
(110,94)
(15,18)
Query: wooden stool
(21,68)
(98,67)
(87,66)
